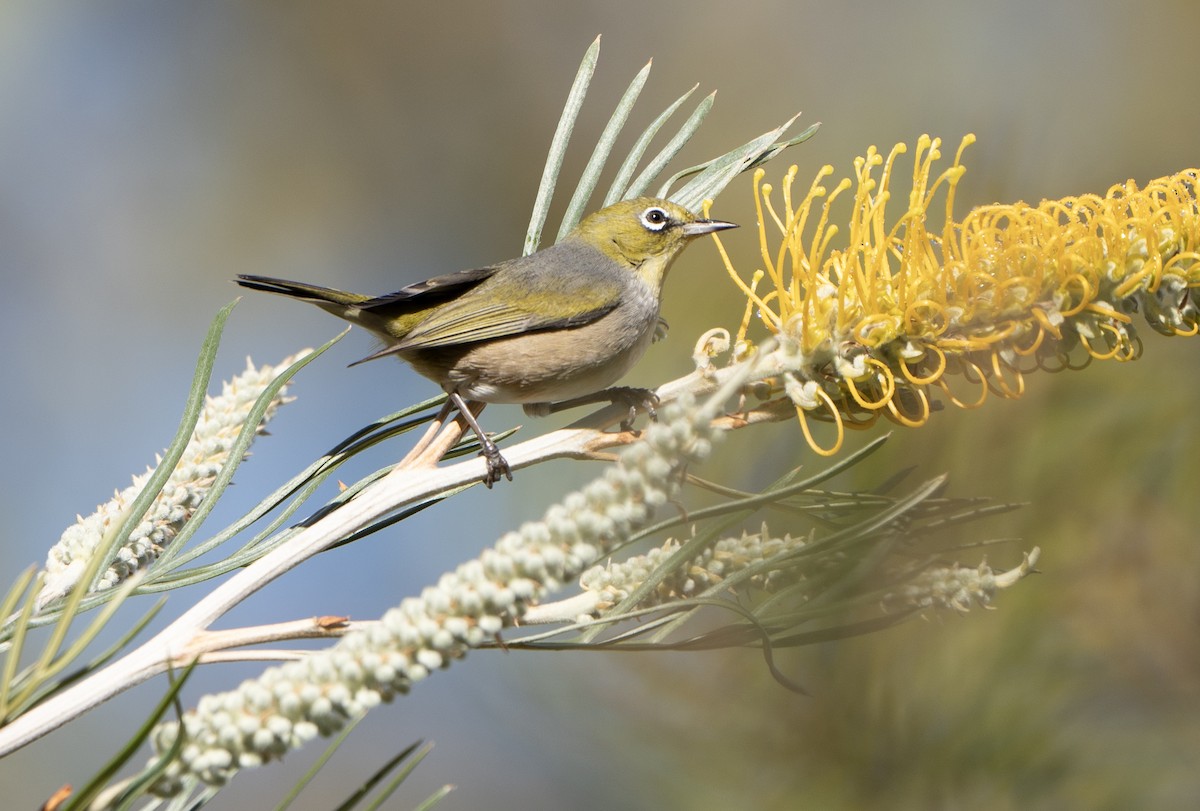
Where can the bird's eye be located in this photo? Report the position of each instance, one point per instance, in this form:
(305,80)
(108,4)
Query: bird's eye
(655,219)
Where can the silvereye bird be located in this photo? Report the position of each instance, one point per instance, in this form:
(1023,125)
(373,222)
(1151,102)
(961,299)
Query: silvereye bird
(550,330)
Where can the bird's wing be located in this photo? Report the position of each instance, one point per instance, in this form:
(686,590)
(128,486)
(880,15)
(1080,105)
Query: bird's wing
(430,291)
(528,296)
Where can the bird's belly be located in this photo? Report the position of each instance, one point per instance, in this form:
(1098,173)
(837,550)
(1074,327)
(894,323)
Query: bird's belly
(539,367)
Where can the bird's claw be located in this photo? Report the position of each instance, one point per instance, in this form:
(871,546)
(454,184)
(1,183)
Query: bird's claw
(497,466)
(637,400)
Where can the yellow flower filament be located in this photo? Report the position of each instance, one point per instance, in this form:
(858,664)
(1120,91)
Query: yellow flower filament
(1039,335)
(750,292)
(889,388)
(907,421)
(835,415)
(937,372)
(999,375)
(983,390)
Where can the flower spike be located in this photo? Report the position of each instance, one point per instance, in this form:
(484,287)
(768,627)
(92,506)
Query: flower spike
(882,325)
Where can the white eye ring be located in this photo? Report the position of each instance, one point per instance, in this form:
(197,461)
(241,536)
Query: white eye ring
(655,219)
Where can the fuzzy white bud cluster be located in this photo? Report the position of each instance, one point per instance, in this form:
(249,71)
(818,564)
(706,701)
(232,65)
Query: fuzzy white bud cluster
(207,452)
(294,702)
(959,587)
(612,583)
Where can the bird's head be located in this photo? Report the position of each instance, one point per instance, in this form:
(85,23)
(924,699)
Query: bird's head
(645,234)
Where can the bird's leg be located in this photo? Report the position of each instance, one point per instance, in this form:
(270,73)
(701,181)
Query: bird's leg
(634,398)
(426,443)
(496,464)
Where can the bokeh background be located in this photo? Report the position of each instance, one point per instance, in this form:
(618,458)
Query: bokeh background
(151,151)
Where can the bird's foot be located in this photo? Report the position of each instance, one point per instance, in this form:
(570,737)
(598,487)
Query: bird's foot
(497,465)
(635,400)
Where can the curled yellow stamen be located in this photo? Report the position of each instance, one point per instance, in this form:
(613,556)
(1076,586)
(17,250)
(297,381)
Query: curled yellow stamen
(888,389)
(1001,383)
(1187,333)
(1046,324)
(911,422)
(937,372)
(983,387)
(837,420)
(1039,335)
(1085,297)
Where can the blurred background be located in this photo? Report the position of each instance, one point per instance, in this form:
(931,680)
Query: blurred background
(149,152)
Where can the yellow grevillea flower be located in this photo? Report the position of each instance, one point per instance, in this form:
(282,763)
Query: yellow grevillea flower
(877,326)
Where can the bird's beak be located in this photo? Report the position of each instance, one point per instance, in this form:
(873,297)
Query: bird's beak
(697,228)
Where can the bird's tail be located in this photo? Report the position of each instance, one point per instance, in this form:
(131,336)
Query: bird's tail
(336,301)
(346,306)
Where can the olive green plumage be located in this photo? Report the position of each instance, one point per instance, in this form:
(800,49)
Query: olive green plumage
(560,324)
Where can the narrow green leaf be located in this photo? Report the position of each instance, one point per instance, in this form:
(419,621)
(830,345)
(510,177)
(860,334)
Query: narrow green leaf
(63,617)
(595,165)
(398,778)
(673,147)
(435,798)
(13,595)
(766,155)
(779,489)
(20,625)
(375,779)
(40,686)
(301,486)
(621,182)
(237,452)
(83,798)
(187,425)
(695,545)
(396,518)
(721,171)
(133,514)
(770,154)
(319,764)
(558,147)
(101,659)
